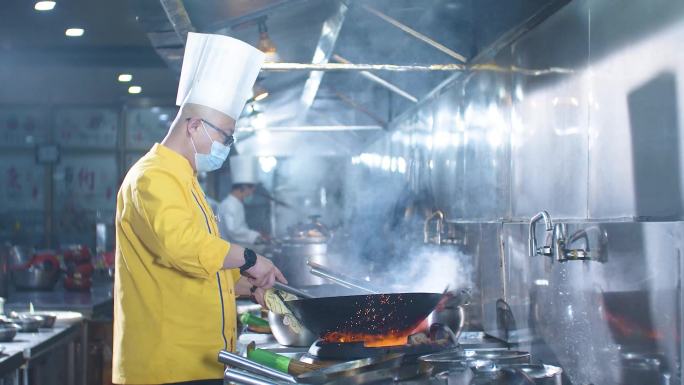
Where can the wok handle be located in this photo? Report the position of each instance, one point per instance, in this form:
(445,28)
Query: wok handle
(291,290)
(244,378)
(340,279)
(453,336)
(237,361)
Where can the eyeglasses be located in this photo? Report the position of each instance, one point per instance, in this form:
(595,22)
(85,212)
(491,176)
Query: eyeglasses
(228,140)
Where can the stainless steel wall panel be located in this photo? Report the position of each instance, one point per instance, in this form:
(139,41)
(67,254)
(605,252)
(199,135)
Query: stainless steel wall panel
(486,121)
(585,315)
(550,118)
(635,126)
(599,146)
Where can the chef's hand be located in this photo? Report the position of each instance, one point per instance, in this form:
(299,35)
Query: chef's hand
(258,296)
(264,274)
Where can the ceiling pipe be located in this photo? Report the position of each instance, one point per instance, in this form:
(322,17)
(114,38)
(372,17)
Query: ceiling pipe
(319,128)
(416,34)
(377,79)
(412,68)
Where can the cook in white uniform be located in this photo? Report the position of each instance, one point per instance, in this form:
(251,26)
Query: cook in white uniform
(231,210)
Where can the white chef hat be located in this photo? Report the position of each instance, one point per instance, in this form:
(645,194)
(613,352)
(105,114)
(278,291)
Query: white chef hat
(218,72)
(243,169)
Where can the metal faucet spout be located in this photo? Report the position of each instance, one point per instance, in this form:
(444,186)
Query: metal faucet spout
(548,224)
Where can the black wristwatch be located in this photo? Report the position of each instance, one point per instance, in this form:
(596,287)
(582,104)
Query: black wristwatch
(250,260)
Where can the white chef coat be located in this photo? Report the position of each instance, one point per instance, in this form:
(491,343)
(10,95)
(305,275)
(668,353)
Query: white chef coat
(232,222)
(212,203)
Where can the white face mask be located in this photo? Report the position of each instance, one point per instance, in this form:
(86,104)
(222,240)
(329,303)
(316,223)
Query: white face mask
(214,160)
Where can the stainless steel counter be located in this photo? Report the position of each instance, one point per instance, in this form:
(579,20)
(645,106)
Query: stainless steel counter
(22,355)
(26,347)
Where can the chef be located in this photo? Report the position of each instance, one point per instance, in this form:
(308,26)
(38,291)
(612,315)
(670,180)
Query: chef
(176,279)
(231,210)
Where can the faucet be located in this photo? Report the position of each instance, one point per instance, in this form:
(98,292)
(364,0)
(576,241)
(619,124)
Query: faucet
(437,238)
(563,253)
(547,249)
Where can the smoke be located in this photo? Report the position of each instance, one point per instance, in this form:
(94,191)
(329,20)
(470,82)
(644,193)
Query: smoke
(385,240)
(431,269)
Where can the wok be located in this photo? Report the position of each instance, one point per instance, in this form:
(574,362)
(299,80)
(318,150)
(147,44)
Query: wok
(371,314)
(449,312)
(288,335)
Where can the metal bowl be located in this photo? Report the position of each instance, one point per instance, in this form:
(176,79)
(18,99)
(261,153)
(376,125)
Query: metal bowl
(27,324)
(285,335)
(48,317)
(66,318)
(8,332)
(35,279)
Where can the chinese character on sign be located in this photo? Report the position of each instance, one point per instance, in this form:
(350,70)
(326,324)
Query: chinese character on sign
(86,179)
(13,179)
(68,175)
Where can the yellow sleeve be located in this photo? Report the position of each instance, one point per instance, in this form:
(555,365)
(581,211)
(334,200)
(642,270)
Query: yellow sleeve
(236,275)
(169,229)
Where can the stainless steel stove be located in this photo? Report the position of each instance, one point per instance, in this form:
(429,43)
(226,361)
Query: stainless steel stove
(479,359)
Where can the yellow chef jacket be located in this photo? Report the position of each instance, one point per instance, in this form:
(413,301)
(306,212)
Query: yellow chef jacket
(173,306)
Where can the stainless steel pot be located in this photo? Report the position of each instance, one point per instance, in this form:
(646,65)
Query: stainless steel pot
(305,241)
(20,255)
(285,335)
(291,258)
(35,278)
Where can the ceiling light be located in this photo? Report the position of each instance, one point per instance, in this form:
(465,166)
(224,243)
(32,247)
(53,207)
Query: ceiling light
(261,96)
(134,89)
(74,32)
(266,44)
(44,5)
(123,78)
